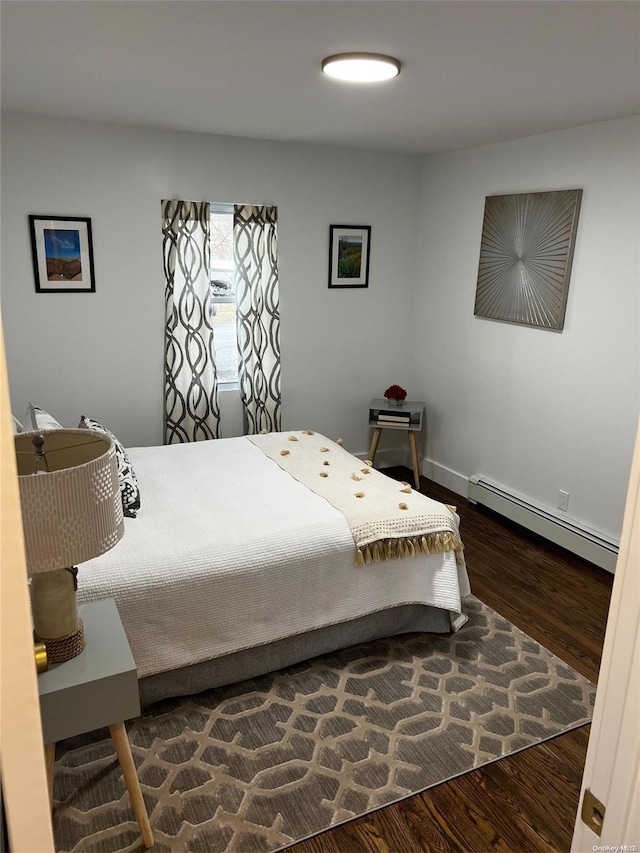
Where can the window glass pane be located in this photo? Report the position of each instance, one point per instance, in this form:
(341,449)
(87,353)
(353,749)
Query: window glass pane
(222,236)
(224,338)
(223,314)
(222,254)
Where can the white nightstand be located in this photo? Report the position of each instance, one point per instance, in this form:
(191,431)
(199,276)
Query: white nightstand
(97,688)
(408,417)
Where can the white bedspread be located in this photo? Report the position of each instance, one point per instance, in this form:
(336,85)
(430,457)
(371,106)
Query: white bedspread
(229,551)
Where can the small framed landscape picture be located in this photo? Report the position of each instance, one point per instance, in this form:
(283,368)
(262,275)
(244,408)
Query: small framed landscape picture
(62,252)
(349,255)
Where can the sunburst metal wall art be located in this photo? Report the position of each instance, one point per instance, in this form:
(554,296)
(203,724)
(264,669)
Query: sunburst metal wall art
(525,257)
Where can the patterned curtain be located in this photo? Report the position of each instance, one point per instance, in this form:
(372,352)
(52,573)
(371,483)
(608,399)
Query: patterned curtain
(255,239)
(190,379)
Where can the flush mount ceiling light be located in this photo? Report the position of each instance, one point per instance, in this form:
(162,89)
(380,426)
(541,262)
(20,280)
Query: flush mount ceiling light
(361,67)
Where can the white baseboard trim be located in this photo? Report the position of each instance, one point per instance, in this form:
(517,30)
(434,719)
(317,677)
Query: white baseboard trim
(444,476)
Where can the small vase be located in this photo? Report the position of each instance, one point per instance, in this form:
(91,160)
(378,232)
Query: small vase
(393,402)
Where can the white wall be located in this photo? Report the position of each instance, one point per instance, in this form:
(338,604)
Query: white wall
(101,354)
(532,409)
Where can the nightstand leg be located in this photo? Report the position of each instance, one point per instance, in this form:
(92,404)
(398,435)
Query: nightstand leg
(50,760)
(374,444)
(413,444)
(123,748)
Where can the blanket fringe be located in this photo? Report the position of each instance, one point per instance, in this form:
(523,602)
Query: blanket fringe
(409,546)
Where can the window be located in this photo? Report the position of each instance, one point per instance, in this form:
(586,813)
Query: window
(223,297)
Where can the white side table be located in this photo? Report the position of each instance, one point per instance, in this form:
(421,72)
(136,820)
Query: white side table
(408,417)
(97,688)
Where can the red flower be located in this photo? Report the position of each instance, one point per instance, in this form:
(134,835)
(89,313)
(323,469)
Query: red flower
(395,392)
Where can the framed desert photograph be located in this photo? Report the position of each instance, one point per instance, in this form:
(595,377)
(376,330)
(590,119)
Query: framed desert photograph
(349,255)
(62,252)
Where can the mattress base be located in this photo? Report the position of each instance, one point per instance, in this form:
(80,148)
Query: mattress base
(260,660)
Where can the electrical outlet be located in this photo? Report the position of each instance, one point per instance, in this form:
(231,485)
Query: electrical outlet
(563,500)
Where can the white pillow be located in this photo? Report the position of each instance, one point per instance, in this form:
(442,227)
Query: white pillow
(37,418)
(17,426)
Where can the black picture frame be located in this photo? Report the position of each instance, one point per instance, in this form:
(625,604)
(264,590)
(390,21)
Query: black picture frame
(349,252)
(62,252)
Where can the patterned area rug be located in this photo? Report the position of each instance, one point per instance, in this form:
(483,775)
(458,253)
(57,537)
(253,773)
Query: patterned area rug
(262,764)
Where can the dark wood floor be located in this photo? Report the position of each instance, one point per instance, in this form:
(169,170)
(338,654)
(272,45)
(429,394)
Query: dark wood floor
(528,801)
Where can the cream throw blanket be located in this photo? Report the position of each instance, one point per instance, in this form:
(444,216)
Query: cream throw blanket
(388,519)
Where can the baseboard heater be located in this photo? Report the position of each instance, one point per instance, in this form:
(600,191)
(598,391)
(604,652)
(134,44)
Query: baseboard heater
(579,540)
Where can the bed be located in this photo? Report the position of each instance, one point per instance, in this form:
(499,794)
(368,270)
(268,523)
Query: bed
(236,566)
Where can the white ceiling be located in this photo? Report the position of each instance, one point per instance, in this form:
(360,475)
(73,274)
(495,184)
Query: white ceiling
(475,71)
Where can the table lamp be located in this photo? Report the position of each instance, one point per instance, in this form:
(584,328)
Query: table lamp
(71,512)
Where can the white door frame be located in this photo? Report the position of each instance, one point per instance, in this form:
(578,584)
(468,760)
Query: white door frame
(612,768)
